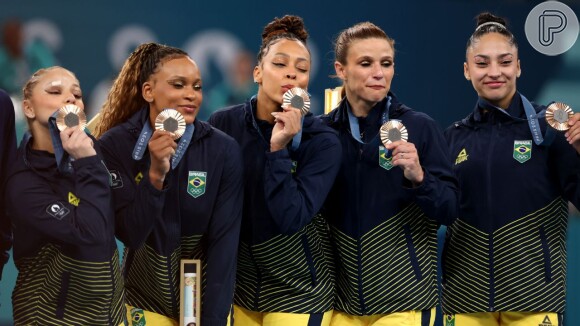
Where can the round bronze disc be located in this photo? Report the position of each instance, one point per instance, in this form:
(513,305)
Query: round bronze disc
(392,131)
(297,98)
(557,115)
(171,120)
(70,116)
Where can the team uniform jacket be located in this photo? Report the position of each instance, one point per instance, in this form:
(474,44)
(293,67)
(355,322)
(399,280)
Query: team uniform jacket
(7,157)
(385,231)
(284,262)
(64,242)
(196,215)
(507,249)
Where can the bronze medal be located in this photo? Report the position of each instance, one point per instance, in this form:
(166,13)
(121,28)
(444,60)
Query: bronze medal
(70,116)
(557,115)
(392,131)
(297,98)
(171,120)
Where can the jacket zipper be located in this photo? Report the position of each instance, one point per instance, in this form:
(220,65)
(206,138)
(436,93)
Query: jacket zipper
(359,236)
(491,302)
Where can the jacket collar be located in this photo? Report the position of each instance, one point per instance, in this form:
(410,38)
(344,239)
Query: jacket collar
(311,125)
(338,118)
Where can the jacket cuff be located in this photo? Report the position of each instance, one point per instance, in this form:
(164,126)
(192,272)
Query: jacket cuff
(423,188)
(89,160)
(152,190)
(283,153)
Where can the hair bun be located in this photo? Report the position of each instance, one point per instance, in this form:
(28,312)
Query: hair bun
(288,24)
(487,17)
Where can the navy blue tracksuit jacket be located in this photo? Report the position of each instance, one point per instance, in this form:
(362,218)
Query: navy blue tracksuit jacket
(384,230)
(196,215)
(284,262)
(507,249)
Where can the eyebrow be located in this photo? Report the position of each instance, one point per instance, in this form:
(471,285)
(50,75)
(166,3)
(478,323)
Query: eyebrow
(487,57)
(287,56)
(178,77)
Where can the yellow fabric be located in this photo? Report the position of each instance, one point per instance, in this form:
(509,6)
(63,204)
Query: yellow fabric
(245,317)
(151,318)
(502,318)
(403,318)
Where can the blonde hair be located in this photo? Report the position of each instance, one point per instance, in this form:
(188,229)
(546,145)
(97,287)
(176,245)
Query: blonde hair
(33,80)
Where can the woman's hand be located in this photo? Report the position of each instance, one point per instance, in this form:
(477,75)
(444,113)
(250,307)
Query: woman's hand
(573,134)
(405,155)
(286,125)
(161,149)
(77,143)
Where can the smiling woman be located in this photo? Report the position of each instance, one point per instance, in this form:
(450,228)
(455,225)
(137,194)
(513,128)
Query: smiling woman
(174,199)
(504,261)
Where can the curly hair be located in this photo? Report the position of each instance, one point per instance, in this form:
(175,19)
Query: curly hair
(288,27)
(125,97)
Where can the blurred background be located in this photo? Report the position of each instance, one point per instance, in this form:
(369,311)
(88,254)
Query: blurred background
(93,38)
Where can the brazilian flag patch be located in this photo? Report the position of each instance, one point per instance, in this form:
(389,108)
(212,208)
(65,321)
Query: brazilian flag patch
(522,150)
(449,320)
(138,317)
(385,158)
(196,183)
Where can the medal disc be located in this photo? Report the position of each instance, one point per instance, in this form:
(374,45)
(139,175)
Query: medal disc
(171,120)
(71,116)
(392,131)
(557,115)
(297,98)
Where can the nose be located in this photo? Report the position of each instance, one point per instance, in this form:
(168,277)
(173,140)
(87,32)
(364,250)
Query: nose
(378,71)
(291,75)
(71,99)
(189,93)
(494,70)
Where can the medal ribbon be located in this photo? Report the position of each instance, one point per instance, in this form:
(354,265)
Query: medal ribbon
(182,145)
(353,121)
(531,117)
(63,159)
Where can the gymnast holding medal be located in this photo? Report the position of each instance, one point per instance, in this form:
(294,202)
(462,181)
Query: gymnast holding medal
(177,186)
(394,188)
(518,166)
(290,159)
(60,206)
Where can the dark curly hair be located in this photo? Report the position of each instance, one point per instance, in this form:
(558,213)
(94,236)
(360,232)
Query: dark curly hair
(288,27)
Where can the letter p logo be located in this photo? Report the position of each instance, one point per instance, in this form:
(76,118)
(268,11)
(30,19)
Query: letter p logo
(552,28)
(551,22)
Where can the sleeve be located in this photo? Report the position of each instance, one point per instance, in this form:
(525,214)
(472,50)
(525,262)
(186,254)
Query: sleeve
(79,218)
(438,194)
(293,200)
(7,157)
(564,162)
(138,204)
(223,237)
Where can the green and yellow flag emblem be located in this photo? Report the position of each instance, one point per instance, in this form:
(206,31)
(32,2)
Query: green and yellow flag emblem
(196,183)
(522,150)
